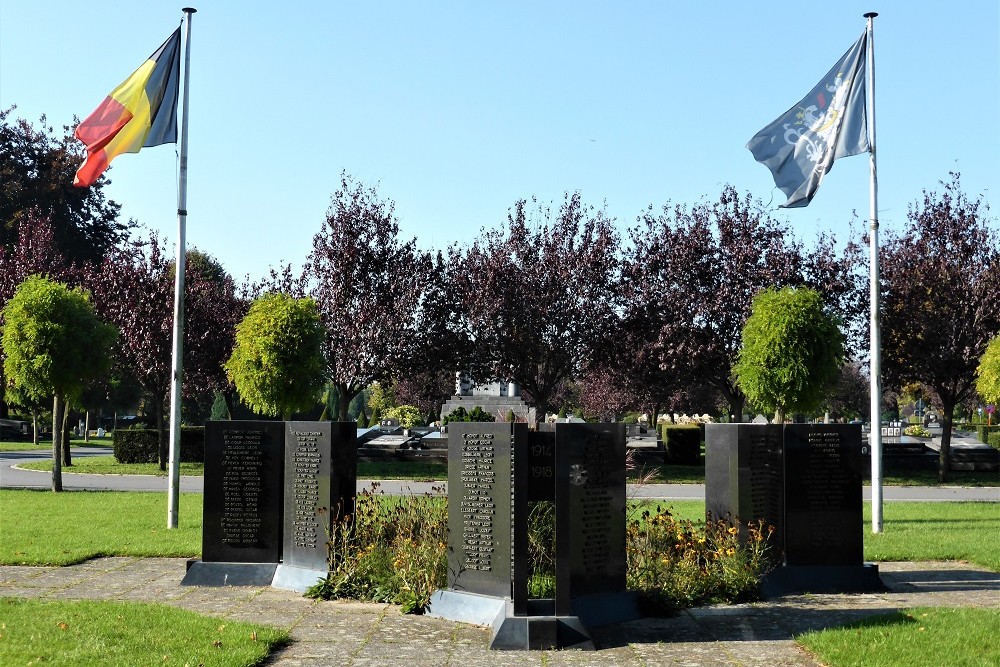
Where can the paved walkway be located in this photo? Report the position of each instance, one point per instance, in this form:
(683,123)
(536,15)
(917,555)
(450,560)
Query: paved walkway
(354,634)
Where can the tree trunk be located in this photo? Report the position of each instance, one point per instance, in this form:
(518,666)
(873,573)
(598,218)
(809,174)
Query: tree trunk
(344,398)
(229,396)
(58,408)
(86,426)
(944,458)
(34,427)
(67,456)
(779,415)
(161,434)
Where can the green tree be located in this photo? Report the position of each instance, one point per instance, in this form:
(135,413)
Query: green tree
(277,364)
(791,351)
(988,373)
(54,345)
(408,416)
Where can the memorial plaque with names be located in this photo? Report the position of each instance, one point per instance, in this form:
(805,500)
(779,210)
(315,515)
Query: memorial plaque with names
(744,477)
(479,507)
(823,502)
(590,511)
(242,515)
(316,455)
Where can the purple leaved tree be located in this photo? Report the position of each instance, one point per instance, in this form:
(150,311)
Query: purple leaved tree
(694,272)
(368,285)
(538,298)
(134,290)
(940,280)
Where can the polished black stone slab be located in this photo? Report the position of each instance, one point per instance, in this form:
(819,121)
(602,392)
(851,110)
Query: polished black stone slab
(243,503)
(744,475)
(479,507)
(590,511)
(824,467)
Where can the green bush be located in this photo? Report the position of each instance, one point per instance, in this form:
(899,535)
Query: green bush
(459,414)
(682,442)
(994,440)
(408,416)
(984,432)
(142,445)
(917,431)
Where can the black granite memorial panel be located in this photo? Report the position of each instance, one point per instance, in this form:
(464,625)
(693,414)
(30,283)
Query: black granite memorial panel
(823,502)
(242,511)
(744,475)
(590,511)
(307,494)
(479,507)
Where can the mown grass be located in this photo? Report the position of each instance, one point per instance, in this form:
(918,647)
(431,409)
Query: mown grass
(936,531)
(922,637)
(126,634)
(46,528)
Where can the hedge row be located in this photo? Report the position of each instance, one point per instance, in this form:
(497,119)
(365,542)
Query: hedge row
(683,443)
(994,439)
(142,445)
(984,432)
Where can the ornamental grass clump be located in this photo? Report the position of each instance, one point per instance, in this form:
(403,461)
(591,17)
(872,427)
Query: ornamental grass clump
(392,549)
(676,564)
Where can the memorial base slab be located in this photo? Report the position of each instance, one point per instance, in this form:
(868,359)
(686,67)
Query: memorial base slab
(540,628)
(465,607)
(538,633)
(200,573)
(822,579)
(298,579)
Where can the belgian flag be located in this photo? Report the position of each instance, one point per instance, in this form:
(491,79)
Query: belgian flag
(142,111)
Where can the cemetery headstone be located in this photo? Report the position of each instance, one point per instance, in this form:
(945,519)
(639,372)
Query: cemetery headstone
(242,509)
(494,471)
(744,474)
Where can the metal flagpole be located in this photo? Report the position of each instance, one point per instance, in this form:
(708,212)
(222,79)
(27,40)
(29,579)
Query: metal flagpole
(875,351)
(177,365)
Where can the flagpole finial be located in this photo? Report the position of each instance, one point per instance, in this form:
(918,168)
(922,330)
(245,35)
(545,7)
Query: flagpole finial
(192,10)
(871,15)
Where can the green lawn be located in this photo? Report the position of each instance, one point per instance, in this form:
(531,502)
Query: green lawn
(936,531)
(126,634)
(46,528)
(922,637)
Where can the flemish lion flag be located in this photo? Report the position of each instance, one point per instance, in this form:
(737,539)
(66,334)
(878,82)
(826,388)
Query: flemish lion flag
(829,123)
(142,111)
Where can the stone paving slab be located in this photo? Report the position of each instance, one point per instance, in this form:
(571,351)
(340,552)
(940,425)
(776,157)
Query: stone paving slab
(357,634)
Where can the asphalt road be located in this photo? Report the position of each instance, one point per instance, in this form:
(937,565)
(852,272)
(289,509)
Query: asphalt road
(12,478)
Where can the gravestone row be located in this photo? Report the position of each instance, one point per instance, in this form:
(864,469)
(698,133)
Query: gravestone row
(272,493)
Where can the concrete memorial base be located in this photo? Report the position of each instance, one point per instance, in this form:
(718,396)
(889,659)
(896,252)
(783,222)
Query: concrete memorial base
(540,628)
(298,579)
(200,573)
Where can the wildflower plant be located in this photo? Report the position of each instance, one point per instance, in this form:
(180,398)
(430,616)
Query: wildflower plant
(676,563)
(392,549)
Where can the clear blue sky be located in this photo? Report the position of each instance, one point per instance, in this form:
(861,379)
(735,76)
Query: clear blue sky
(457,109)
